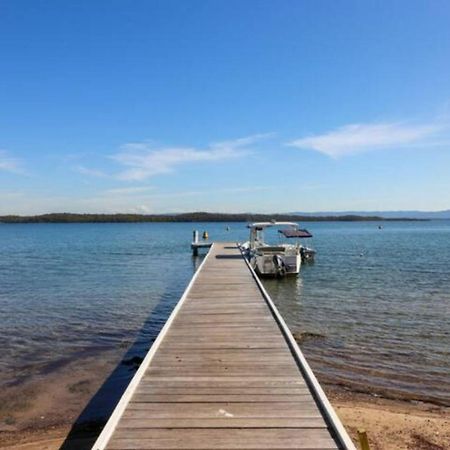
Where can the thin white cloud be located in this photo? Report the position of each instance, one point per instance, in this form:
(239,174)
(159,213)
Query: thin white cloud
(207,192)
(358,138)
(125,201)
(128,190)
(243,142)
(142,160)
(90,172)
(9,164)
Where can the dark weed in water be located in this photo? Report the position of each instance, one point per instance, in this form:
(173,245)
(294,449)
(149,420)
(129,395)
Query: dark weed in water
(82,386)
(10,420)
(133,362)
(304,336)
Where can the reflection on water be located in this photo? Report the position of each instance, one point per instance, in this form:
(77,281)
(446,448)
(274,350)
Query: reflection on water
(380,298)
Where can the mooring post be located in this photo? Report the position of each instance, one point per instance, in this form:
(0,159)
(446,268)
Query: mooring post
(363,441)
(194,243)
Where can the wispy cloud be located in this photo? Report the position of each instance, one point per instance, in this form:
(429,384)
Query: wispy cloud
(358,138)
(244,141)
(9,164)
(128,190)
(90,172)
(142,160)
(208,192)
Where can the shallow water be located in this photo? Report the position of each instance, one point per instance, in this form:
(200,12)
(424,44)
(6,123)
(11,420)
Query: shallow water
(379,298)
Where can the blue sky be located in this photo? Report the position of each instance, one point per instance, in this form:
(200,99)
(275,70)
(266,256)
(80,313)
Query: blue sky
(170,106)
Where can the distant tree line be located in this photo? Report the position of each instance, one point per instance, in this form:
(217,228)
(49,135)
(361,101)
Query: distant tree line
(185,217)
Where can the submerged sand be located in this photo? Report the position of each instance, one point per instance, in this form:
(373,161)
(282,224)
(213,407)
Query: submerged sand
(39,414)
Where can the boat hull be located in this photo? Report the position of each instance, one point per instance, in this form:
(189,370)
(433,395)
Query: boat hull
(276,265)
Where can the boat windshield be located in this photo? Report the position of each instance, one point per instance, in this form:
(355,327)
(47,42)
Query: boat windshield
(268,233)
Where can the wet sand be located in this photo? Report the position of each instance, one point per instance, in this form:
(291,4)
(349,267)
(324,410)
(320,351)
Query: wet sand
(39,414)
(46,407)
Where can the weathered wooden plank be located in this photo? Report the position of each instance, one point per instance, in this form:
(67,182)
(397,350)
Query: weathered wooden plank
(225,353)
(167,397)
(250,381)
(235,339)
(244,324)
(183,364)
(230,335)
(218,371)
(207,390)
(222,409)
(174,358)
(222,295)
(236,317)
(269,438)
(228,310)
(226,422)
(223,344)
(245,330)
(281,368)
(207,305)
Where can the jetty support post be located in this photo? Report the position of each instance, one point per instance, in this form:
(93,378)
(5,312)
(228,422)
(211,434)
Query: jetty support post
(194,242)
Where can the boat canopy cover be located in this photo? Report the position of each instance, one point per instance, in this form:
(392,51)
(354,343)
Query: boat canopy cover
(295,233)
(260,225)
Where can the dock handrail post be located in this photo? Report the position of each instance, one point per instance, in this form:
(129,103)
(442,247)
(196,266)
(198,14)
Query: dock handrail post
(195,236)
(363,441)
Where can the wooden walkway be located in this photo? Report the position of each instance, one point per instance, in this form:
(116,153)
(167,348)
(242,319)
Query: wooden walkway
(224,373)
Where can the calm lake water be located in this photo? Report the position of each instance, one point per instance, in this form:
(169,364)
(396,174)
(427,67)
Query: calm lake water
(376,301)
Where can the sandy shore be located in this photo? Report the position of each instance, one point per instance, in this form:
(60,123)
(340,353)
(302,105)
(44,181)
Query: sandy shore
(392,425)
(40,413)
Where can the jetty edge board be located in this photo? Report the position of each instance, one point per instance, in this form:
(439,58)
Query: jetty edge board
(224,373)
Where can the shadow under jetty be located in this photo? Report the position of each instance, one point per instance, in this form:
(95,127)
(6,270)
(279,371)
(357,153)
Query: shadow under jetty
(92,419)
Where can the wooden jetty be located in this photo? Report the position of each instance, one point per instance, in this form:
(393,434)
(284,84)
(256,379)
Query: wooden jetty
(224,373)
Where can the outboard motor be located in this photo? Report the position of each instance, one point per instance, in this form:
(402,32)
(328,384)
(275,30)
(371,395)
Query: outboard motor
(280,267)
(307,254)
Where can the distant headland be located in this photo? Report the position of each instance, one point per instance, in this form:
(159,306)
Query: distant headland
(189,217)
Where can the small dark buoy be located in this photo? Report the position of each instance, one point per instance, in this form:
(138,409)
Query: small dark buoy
(205,235)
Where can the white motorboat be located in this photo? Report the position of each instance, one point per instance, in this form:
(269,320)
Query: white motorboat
(277,260)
